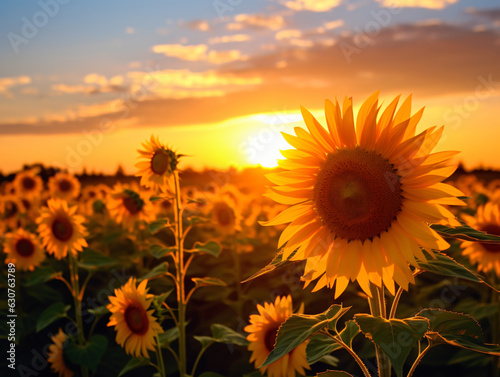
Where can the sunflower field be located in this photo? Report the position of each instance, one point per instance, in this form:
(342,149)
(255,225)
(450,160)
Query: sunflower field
(365,253)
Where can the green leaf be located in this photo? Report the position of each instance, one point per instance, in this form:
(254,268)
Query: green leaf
(51,314)
(204,340)
(168,336)
(395,337)
(133,364)
(159,224)
(211,247)
(42,275)
(466,233)
(206,281)
(350,330)
(477,310)
(99,311)
(299,327)
(159,299)
(276,263)
(159,270)
(330,360)
(223,334)
(319,346)
(92,259)
(89,354)
(334,373)
(444,265)
(458,330)
(159,251)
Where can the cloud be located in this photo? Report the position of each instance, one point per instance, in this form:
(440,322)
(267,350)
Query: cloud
(288,33)
(198,53)
(201,25)
(256,21)
(430,4)
(93,84)
(7,83)
(313,5)
(230,38)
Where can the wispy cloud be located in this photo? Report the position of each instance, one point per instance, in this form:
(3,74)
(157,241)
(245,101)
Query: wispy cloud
(256,21)
(430,4)
(313,5)
(201,25)
(93,84)
(230,38)
(198,53)
(7,83)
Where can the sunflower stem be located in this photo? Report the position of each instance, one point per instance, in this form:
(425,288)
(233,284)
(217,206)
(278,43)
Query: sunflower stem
(73,270)
(180,273)
(418,360)
(356,358)
(159,356)
(378,309)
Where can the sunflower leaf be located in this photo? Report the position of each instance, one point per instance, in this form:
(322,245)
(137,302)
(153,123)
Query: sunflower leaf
(42,275)
(211,247)
(159,224)
(223,334)
(465,232)
(92,259)
(276,263)
(89,354)
(206,281)
(334,373)
(457,329)
(168,336)
(159,251)
(205,341)
(320,345)
(299,327)
(395,337)
(51,314)
(159,270)
(133,364)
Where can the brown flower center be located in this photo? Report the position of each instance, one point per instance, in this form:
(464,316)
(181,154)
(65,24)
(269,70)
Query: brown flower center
(136,319)
(10,210)
(357,194)
(159,162)
(224,215)
(491,229)
(25,247)
(270,337)
(62,229)
(28,183)
(65,185)
(131,205)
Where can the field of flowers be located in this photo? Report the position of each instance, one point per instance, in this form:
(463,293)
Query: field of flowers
(364,253)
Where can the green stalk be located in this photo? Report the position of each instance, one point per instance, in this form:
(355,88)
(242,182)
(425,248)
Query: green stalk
(159,356)
(378,309)
(181,294)
(73,270)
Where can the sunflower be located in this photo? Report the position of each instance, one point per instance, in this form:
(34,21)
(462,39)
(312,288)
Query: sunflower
(362,198)
(27,184)
(263,329)
(64,186)
(11,207)
(225,216)
(61,229)
(23,249)
(135,326)
(157,164)
(56,356)
(128,205)
(486,255)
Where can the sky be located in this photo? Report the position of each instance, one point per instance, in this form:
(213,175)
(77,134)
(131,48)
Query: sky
(83,83)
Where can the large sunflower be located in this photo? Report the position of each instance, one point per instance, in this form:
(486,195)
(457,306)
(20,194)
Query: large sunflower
(64,186)
(128,205)
(263,329)
(362,199)
(23,249)
(486,255)
(156,165)
(28,184)
(56,355)
(60,229)
(135,326)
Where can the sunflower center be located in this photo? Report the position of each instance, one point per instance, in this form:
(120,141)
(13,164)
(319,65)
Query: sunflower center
(26,204)
(28,183)
(136,319)
(10,210)
(159,162)
(62,229)
(270,337)
(491,229)
(131,205)
(25,247)
(166,204)
(65,185)
(357,194)
(224,217)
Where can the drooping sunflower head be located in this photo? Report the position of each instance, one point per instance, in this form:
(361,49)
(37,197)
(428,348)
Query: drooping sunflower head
(157,164)
(27,184)
(23,249)
(61,229)
(135,326)
(129,205)
(363,194)
(263,330)
(64,186)
(486,255)
(56,355)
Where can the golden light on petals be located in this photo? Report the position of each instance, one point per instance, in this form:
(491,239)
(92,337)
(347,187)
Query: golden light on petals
(135,326)
(362,195)
(27,184)
(64,186)
(128,205)
(263,330)
(56,355)
(61,229)
(485,255)
(23,249)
